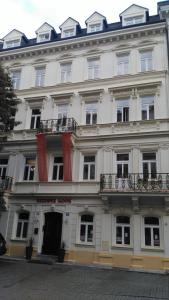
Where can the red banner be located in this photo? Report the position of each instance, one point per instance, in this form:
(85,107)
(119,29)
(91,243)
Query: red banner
(41,156)
(67,164)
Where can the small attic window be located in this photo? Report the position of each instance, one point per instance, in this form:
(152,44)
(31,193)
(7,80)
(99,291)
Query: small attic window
(95,27)
(12,43)
(43,37)
(133,20)
(68,33)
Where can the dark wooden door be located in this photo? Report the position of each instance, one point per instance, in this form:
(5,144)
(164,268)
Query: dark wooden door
(52,233)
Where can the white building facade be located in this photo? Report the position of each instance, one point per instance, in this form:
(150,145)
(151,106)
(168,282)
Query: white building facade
(89,160)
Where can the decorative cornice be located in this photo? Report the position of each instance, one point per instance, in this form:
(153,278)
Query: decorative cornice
(84,42)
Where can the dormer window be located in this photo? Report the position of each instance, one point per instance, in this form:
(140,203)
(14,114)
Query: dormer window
(95,27)
(12,43)
(44,37)
(134,20)
(68,33)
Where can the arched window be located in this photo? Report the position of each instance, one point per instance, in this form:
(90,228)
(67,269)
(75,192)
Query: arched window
(122,230)
(86,228)
(152,231)
(22,225)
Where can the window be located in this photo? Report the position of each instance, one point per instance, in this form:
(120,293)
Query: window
(13,43)
(146,61)
(68,33)
(66,72)
(44,37)
(22,225)
(147,107)
(40,76)
(95,27)
(29,171)
(86,228)
(35,118)
(62,114)
(122,64)
(152,231)
(93,68)
(122,110)
(3,167)
(89,167)
(134,20)
(58,169)
(122,230)
(16,77)
(149,166)
(91,113)
(122,161)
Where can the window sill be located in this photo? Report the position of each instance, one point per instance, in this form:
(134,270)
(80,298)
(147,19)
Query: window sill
(85,245)
(122,247)
(18,240)
(152,249)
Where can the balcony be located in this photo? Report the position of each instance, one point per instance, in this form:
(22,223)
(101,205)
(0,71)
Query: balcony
(6,184)
(58,125)
(134,182)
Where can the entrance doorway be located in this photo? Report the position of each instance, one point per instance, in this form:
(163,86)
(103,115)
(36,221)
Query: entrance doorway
(52,233)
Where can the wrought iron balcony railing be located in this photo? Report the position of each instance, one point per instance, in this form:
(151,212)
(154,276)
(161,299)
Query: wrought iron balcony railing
(6,183)
(134,182)
(58,125)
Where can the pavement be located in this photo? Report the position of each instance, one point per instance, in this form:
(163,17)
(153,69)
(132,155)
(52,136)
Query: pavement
(20,280)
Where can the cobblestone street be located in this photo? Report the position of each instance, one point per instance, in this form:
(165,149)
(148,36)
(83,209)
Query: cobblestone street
(26,281)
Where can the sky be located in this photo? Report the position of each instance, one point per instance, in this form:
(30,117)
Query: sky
(28,15)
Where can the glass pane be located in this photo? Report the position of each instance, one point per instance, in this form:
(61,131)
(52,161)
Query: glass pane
(61,173)
(82,233)
(151,112)
(90,233)
(144,114)
(149,156)
(92,172)
(125,170)
(119,171)
(123,156)
(94,119)
(89,158)
(126,235)
(145,171)
(32,122)
(38,122)
(86,218)
(156,237)
(24,216)
(18,230)
(119,115)
(25,230)
(153,170)
(26,173)
(31,174)
(58,160)
(123,220)
(54,177)
(88,118)
(3,161)
(125,114)
(151,220)
(85,172)
(3,173)
(118,235)
(147,236)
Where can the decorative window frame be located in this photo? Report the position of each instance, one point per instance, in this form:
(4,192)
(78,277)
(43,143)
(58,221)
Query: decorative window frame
(78,242)
(123,246)
(88,152)
(161,231)
(12,40)
(38,40)
(15,223)
(19,70)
